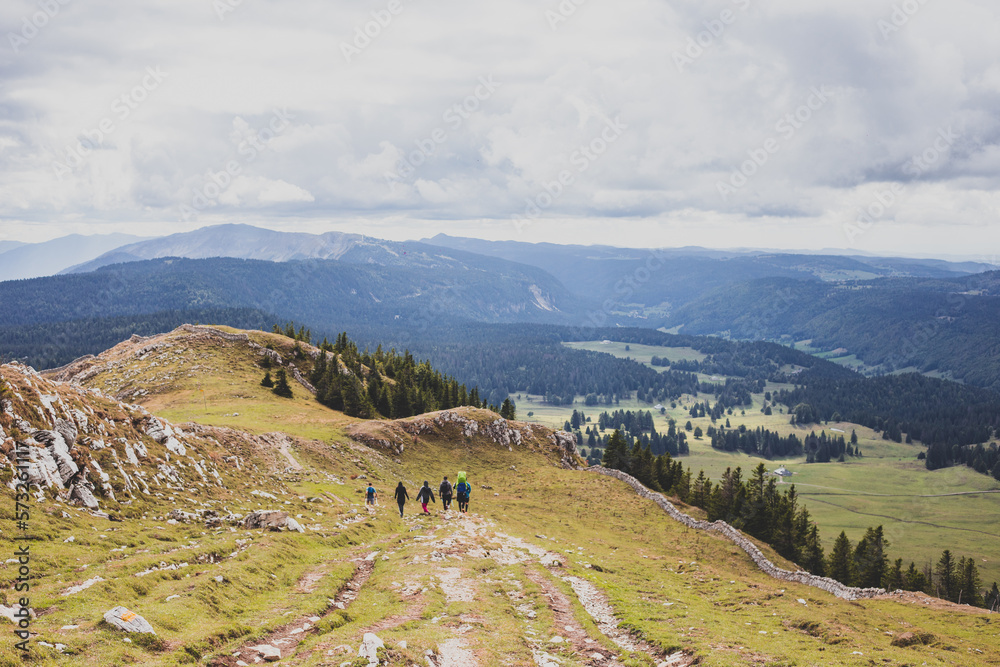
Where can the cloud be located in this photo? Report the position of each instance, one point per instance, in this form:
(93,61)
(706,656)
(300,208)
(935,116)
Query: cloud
(452,112)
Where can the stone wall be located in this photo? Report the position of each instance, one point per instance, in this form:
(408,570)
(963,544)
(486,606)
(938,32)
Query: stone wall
(739,539)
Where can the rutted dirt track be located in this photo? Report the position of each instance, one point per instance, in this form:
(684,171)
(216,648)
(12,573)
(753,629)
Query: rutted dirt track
(287,638)
(439,564)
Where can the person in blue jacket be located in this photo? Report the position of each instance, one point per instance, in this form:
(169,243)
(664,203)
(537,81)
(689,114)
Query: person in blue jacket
(462,493)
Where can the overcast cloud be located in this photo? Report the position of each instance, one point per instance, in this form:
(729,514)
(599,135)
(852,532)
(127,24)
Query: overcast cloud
(865,124)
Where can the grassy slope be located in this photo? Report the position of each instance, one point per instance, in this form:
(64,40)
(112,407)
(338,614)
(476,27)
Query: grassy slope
(886,486)
(218,384)
(677,588)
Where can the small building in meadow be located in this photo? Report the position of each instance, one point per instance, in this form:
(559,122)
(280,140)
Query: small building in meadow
(783,472)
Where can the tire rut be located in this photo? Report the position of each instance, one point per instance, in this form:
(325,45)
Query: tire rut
(287,638)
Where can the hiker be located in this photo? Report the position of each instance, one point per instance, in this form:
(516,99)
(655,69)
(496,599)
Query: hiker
(462,492)
(401,497)
(445,493)
(371,495)
(425,495)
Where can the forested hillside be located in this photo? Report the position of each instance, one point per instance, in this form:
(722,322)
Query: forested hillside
(52,344)
(325,293)
(947,325)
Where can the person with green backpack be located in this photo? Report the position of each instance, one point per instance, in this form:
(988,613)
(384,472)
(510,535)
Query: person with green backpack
(462,492)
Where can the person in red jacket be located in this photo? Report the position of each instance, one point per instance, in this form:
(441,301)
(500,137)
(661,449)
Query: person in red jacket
(426,495)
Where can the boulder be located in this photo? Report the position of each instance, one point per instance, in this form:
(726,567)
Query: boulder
(83,495)
(370,645)
(268,653)
(272,520)
(127,621)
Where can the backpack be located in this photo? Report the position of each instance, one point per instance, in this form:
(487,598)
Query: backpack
(461,476)
(445,488)
(371,491)
(463,489)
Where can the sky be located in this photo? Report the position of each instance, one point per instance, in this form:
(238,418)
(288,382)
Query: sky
(867,125)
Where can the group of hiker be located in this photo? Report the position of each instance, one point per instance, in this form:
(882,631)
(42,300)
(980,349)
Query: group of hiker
(460,492)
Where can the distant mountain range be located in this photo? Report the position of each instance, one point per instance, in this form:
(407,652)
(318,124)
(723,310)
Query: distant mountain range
(935,316)
(9,245)
(33,260)
(248,242)
(650,283)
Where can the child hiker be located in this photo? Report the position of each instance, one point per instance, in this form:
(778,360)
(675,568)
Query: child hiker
(425,495)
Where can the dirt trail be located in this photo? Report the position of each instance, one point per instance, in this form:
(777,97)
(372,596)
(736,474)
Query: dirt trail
(445,552)
(288,637)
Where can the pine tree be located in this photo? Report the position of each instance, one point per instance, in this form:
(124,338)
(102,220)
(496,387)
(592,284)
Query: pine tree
(616,453)
(893,580)
(914,579)
(944,572)
(281,387)
(507,410)
(993,599)
(969,587)
(841,563)
(870,559)
(812,553)
(332,396)
(267,381)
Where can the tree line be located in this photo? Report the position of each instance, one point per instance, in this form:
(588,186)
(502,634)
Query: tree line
(985,460)
(930,410)
(376,384)
(757,507)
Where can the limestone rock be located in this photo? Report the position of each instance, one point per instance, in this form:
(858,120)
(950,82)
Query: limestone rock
(67,430)
(56,445)
(272,520)
(128,621)
(182,516)
(268,653)
(82,494)
(370,645)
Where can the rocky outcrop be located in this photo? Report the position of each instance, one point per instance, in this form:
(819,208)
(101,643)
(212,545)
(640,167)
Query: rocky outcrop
(394,436)
(88,448)
(271,520)
(56,454)
(566,444)
(739,539)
